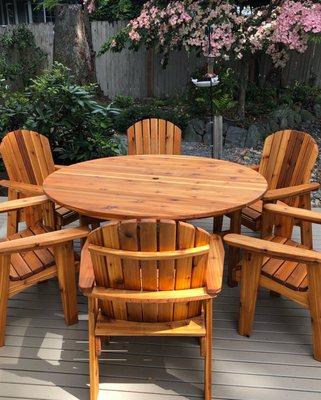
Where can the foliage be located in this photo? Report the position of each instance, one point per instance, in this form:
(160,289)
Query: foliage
(20,58)
(78,127)
(115,10)
(198,100)
(234,32)
(172,110)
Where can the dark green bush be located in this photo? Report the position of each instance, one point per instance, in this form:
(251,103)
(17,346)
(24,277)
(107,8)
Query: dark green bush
(79,128)
(136,112)
(198,100)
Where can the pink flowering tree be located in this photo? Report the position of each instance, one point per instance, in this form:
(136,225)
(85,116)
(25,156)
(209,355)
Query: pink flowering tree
(239,30)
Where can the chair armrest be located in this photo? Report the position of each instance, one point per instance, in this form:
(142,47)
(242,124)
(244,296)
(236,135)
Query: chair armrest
(49,239)
(86,272)
(24,188)
(214,272)
(298,213)
(57,167)
(283,193)
(272,249)
(12,205)
(254,166)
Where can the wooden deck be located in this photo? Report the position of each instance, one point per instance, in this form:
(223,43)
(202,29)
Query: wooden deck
(43,359)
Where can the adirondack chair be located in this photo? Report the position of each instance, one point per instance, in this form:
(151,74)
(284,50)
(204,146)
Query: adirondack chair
(281,265)
(34,255)
(28,161)
(154,136)
(287,162)
(150,278)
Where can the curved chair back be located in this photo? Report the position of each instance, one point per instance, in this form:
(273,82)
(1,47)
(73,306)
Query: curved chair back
(148,257)
(288,158)
(154,136)
(27,156)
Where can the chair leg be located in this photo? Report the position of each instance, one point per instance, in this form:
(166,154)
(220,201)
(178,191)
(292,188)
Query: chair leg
(93,353)
(314,278)
(251,269)
(65,261)
(208,350)
(4,295)
(234,253)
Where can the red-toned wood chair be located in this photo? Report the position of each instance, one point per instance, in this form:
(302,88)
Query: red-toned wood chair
(281,265)
(36,254)
(287,162)
(28,161)
(150,278)
(154,136)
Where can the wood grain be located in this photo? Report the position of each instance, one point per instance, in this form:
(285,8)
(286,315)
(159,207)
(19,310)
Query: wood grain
(155,186)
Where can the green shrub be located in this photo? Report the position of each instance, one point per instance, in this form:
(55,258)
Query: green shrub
(79,128)
(128,116)
(198,100)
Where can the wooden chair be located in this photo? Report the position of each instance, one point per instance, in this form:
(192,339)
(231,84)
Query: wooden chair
(287,162)
(154,136)
(281,265)
(28,161)
(34,255)
(150,278)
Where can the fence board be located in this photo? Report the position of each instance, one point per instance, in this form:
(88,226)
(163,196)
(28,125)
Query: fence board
(139,75)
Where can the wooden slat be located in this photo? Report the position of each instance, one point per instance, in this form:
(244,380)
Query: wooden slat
(114,266)
(151,255)
(167,242)
(200,264)
(100,270)
(193,327)
(150,299)
(139,138)
(149,271)
(129,241)
(185,240)
(169,143)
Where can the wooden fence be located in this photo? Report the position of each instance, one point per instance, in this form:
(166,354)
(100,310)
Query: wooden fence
(140,74)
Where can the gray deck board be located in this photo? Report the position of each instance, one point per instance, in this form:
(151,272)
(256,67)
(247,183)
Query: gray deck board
(45,360)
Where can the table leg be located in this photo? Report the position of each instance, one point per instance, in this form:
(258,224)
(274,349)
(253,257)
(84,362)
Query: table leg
(234,253)
(217,224)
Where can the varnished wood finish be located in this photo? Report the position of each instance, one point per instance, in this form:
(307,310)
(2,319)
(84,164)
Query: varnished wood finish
(136,294)
(155,186)
(36,254)
(154,136)
(279,264)
(287,161)
(28,161)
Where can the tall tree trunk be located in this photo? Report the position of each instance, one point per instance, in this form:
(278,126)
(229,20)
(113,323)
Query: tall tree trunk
(244,80)
(73,41)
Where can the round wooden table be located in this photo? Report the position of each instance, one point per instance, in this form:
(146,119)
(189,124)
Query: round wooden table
(155,186)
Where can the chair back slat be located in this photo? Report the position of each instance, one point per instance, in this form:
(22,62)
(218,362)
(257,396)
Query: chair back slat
(131,268)
(288,158)
(130,273)
(148,242)
(166,268)
(115,269)
(154,136)
(185,240)
(27,156)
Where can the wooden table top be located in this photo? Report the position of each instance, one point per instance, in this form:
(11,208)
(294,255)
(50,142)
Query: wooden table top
(155,186)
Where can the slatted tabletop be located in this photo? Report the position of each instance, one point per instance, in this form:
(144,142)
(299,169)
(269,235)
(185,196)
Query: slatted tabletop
(155,186)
